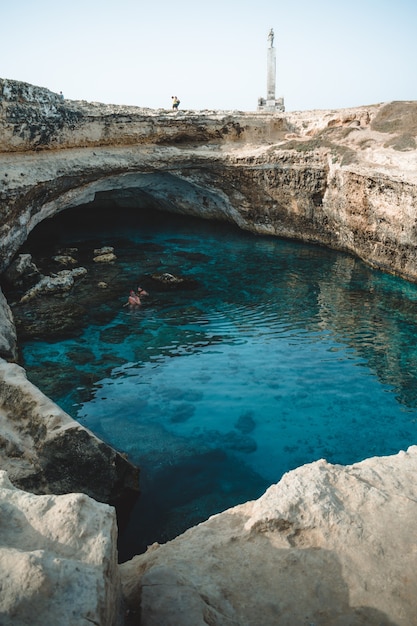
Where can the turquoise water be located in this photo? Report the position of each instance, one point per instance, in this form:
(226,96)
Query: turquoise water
(283,354)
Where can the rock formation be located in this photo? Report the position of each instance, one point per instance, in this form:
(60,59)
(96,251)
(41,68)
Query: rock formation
(46,451)
(8,339)
(345,178)
(327,545)
(58,560)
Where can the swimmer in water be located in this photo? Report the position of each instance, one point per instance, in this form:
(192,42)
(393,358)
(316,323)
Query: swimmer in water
(142,292)
(133,299)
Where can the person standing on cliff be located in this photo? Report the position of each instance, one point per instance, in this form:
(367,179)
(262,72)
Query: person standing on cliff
(175,103)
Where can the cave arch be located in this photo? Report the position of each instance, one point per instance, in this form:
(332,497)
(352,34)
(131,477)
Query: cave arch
(198,192)
(162,190)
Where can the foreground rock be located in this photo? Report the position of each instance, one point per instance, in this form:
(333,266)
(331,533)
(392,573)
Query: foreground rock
(328,545)
(46,451)
(58,560)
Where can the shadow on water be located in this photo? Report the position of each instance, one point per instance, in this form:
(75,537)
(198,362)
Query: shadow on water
(179,496)
(280,354)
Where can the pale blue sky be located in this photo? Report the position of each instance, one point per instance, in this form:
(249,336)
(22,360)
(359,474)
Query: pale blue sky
(330,53)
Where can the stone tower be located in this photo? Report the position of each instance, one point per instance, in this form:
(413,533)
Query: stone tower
(271,103)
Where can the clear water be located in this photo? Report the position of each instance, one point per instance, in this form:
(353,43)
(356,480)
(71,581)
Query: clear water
(284,354)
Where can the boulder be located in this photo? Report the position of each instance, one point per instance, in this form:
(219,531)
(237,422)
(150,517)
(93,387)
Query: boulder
(109,257)
(58,560)
(104,255)
(62,282)
(328,545)
(65,259)
(103,250)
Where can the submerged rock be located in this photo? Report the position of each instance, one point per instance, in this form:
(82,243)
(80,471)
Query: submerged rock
(168,281)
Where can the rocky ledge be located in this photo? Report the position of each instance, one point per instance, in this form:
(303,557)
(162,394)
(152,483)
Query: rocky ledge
(328,544)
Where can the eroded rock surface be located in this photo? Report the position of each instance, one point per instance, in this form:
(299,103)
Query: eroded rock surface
(8,338)
(328,545)
(46,451)
(343,178)
(58,560)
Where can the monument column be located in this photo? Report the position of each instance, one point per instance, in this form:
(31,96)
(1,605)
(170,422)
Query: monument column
(271,70)
(271,103)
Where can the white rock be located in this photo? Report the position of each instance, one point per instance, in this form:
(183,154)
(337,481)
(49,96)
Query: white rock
(328,545)
(105,258)
(58,560)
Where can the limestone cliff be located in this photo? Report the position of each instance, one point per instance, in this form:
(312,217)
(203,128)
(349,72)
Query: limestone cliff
(345,178)
(316,544)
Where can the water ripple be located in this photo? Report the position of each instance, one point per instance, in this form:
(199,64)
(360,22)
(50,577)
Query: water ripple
(283,354)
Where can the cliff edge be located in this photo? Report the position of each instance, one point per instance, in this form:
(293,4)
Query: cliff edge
(328,544)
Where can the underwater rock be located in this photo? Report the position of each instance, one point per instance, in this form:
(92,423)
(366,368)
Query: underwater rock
(48,317)
(245,423)
(70,251)
(240,442)
(168,281)
(64,259)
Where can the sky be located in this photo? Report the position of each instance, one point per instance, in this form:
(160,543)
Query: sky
(331,54)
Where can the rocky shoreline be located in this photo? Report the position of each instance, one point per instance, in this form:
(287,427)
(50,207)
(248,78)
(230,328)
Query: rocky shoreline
(328,544)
